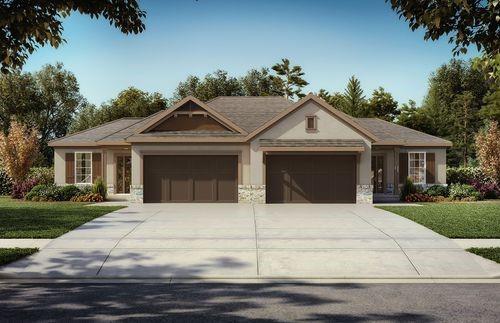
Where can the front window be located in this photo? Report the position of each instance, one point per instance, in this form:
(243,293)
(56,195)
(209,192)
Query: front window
(416,167)
(83,168)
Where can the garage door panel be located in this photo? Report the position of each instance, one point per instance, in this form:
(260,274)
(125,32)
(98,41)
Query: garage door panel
(277,193)
(322,190)
(204,190)
(226,191)
(300,188)
(180,188)
(190,178)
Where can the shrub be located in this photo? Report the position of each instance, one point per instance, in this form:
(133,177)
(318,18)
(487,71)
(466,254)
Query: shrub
(5,183)
(91,197)
(85,189)
(67,192)
(418,197)
(44,175)
(43,192)
(487,188)
(437,190)
(462,175)
(20,189)
(99,187)
(464,191)
(408,188)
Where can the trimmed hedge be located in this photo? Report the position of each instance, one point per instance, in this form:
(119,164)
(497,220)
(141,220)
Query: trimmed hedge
(5,183)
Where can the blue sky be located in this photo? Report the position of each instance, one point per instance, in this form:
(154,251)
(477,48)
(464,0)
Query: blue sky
(331,40)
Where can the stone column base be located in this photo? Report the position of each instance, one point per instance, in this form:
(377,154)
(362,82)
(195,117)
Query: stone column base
(252,194)
(136,193)
(364,194)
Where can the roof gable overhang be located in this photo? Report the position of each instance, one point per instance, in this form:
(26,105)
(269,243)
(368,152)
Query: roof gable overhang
(322,104)
(170,112)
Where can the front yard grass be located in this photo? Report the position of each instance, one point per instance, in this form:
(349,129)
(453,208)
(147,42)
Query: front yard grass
(488,253)
(8,255)
(44,220)
(476,220)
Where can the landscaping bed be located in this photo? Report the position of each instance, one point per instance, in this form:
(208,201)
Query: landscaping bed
(8,255)
(46,220)
(488,253)
(476,220)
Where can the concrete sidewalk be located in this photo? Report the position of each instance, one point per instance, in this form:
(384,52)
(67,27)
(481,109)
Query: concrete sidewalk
(228,241)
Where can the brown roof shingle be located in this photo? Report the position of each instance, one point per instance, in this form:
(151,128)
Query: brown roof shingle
(392,134)
(249,112)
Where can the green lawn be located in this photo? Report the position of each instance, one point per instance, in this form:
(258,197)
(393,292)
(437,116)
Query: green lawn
(488,253)
(455,220)
(22,219)
(12,254)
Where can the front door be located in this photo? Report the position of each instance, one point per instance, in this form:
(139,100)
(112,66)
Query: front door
(378,174)
(123,170)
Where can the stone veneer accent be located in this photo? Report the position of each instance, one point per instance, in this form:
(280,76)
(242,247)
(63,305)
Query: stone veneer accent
(364,194)
(389,189)
(252,194)
(136,193)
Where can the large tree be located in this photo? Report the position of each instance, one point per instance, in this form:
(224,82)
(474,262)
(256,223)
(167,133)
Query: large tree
(260,83)
(289,78)
(446,105)
(464,22)
(355,103)
(336,99)
(218,83)
(131,102)
(46,100)
(382,105)
(414,117)
(27,24)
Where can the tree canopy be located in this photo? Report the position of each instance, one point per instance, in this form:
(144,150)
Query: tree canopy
(46,100)
(464,22)
(26,25)
(131,102)
(289,79)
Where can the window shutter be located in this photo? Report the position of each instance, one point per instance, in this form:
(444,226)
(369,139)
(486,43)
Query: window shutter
(96,166)
(403,167)
(430,169)
(70,168)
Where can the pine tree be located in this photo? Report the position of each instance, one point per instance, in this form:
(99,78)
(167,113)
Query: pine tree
(289,78)
(354,100)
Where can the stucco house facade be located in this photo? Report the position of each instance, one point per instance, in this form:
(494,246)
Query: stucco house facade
(251,150)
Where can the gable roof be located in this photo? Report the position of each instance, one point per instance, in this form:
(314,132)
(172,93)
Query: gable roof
(321,103)
(393,134)
(249,112)
(165,114)
(246,117)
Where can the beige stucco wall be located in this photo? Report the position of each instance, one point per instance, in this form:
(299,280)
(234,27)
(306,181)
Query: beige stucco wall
(59,162)
(293,127)
(242,150)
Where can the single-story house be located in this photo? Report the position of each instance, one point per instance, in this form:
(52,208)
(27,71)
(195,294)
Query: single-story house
(251,149)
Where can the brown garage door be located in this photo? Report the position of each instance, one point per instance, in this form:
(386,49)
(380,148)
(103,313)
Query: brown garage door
(310,179)
(190,179)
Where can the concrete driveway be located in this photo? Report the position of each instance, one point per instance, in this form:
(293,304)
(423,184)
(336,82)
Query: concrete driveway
(245,241)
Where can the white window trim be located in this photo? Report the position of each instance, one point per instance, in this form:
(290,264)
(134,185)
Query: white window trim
(91,169)
(425,165)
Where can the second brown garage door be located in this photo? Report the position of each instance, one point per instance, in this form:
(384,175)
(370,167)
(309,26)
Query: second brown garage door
(310,179)
(190,179)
